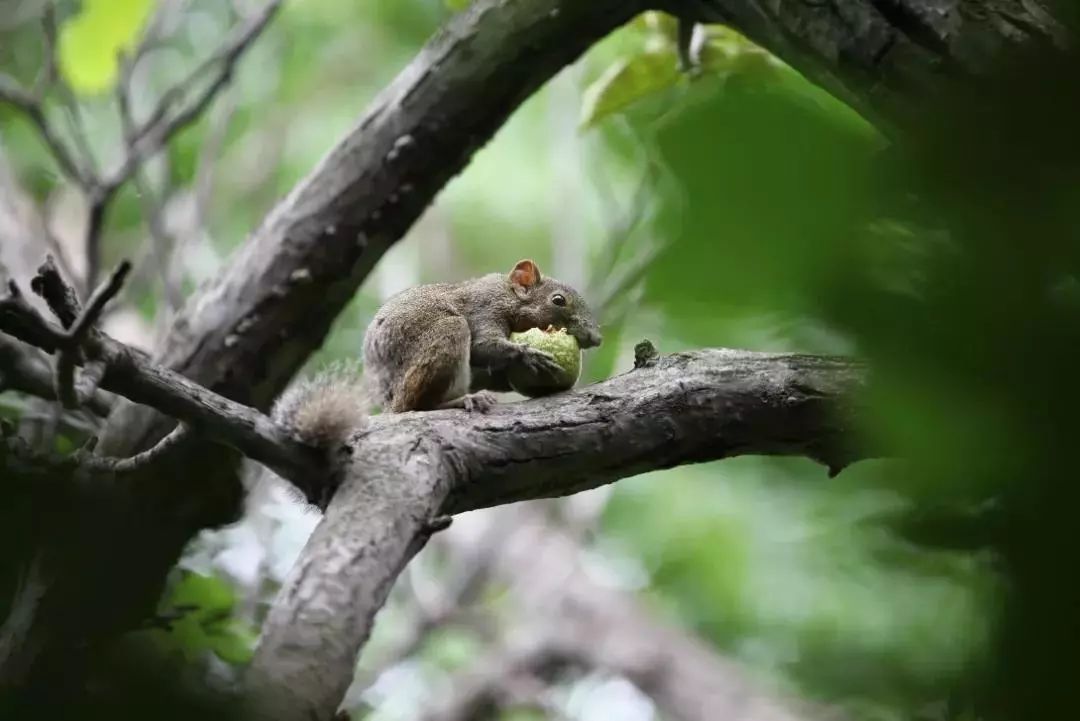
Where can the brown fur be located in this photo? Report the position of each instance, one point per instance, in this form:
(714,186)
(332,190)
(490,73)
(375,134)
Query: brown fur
(419,338)
(430,379)
(427,347)
(325,409)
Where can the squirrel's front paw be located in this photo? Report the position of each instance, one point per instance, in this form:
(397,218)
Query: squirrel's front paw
(479,402)
(538,361)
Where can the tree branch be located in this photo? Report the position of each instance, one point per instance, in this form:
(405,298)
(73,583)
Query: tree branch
(71,343)
(245,334)
(125,371)
(890,59)
(409,468)
(23,372)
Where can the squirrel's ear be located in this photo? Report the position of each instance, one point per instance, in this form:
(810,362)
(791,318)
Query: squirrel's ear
(524,276)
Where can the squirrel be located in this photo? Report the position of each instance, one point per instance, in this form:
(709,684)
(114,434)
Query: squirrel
(442,345)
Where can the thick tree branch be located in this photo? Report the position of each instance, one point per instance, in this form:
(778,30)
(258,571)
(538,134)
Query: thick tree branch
(689,407)
(409,468)
(372,528)
(890,59)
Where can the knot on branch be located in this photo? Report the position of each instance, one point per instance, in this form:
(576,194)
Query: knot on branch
(56,292)
(645,354)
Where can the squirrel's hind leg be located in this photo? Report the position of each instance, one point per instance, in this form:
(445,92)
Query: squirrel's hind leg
(439,372)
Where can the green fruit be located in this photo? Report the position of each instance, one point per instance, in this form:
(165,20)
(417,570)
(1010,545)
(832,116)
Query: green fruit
(567,353)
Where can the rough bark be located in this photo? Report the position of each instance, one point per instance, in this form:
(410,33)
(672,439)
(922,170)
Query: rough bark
(891,59)
(376,522)
(410,469)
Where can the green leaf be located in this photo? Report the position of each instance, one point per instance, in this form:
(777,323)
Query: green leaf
(233,642)
(208,595)
(89,43)
(189,636)
(628,81)
(457,5)
(201,608)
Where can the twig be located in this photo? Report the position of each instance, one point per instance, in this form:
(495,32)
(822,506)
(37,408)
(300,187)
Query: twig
(97,302)
(99,200)
(139,461)
(26,461)
(131,374)
(152,134)
(58,251)
(209,157)
(149,137)
(51,78)
(22,320)
(151,206)
(13,94)
(70,350)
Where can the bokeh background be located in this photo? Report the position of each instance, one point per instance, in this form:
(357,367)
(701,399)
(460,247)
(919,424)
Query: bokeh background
(740,207)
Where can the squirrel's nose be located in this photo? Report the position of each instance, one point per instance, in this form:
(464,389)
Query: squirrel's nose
(592,338)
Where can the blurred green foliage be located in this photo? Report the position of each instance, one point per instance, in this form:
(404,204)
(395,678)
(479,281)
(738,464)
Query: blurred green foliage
(91,41)
(196,617)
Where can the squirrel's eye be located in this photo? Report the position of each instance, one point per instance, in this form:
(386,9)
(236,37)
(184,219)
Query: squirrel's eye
(558,299)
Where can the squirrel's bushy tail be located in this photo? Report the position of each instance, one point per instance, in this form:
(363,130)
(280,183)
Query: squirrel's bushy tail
(325,409)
